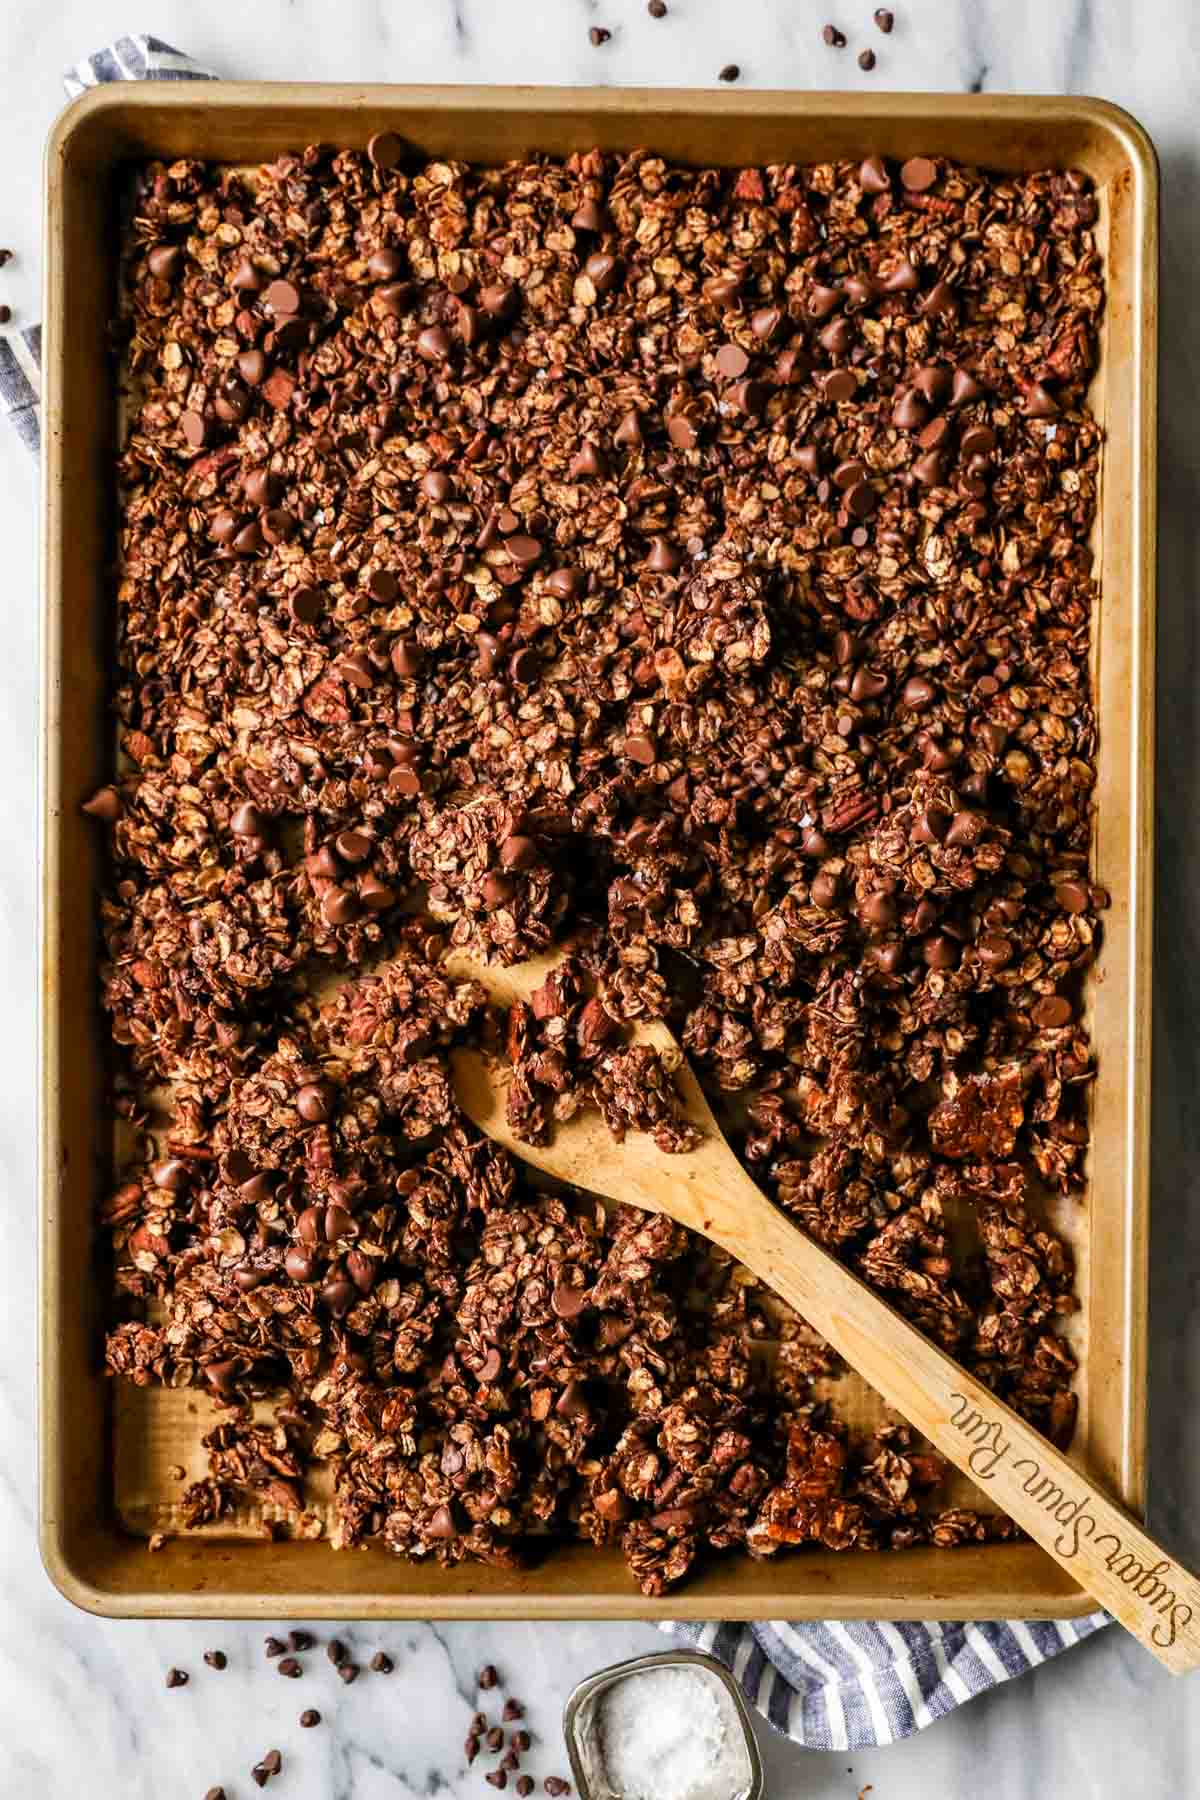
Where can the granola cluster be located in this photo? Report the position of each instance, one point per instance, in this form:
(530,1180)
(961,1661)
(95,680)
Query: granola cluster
(691,563)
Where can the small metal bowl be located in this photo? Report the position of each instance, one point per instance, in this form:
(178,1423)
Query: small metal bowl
(580,1712)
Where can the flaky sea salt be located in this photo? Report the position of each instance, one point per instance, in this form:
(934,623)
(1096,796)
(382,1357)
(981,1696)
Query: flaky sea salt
(672,1734)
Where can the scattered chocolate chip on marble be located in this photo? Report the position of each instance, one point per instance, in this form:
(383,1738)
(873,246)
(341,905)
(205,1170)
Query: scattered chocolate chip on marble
(382,1663)
(177,1678)
(216,1659)
(730,72)
(269,1765)
(310,1717)
(300,1640)
(866,59)
(835,39)
(599,34)
(885,19)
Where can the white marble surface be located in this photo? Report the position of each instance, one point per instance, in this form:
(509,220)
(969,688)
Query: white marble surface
(83,1709)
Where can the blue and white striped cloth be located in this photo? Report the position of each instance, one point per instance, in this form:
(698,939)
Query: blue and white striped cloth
(830,1685)
(854,1684)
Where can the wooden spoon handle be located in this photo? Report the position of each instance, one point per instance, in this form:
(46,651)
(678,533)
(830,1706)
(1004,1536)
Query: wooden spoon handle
(1097,1542)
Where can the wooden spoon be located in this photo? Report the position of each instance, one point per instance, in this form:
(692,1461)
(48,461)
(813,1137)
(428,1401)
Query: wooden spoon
(1100,1545)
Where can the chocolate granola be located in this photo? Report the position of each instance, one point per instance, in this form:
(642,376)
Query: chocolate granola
(689,563)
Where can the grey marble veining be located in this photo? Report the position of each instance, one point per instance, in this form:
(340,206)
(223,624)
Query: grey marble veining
(83,1709)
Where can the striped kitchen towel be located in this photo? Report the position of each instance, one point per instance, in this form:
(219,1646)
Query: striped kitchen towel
(853,1684)
(137,57)
(827,1685)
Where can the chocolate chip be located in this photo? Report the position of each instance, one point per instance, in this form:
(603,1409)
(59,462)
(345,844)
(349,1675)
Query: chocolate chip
(496,1778)
(978,440)
(917,693)
(918,174)
(599,34)
(940,300)
(353,846)
(498,300)
(748,397)
(104,804)
(565,584)
(525,1783)
(825,891)
(433,344)
(964,388)
(1039,402)
(524,667)
(385,150)
(298,1264)
(270,1764)
(385,264)
(436,486)
(519,852)
(215,1793)
(262,487)
(879,910)
(1052,1012)
(348,1672)
(554,1784)
(589,215)
(165,261)
(216,1659)
(497,891)
(839,386)
(488,1677)
(866,59)
(766,322)
(313,1103)
(289,1666)
(934,382)
(407,657)
(382,1663)
(731,361)
(902,279)
(395,299)
(282,298)
(729,73)
(722,291)
(884,18)
(940,952)
(873,177)
(177,1678)
(471,1747)
(494,1739)
(310,1717)
(833,37)
(1072,896)
(628,434)
(586,463)
(662,558)
(335,1650)
(274,1646)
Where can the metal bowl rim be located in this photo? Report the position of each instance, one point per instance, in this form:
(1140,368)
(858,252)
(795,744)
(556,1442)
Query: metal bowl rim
(592,1685)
